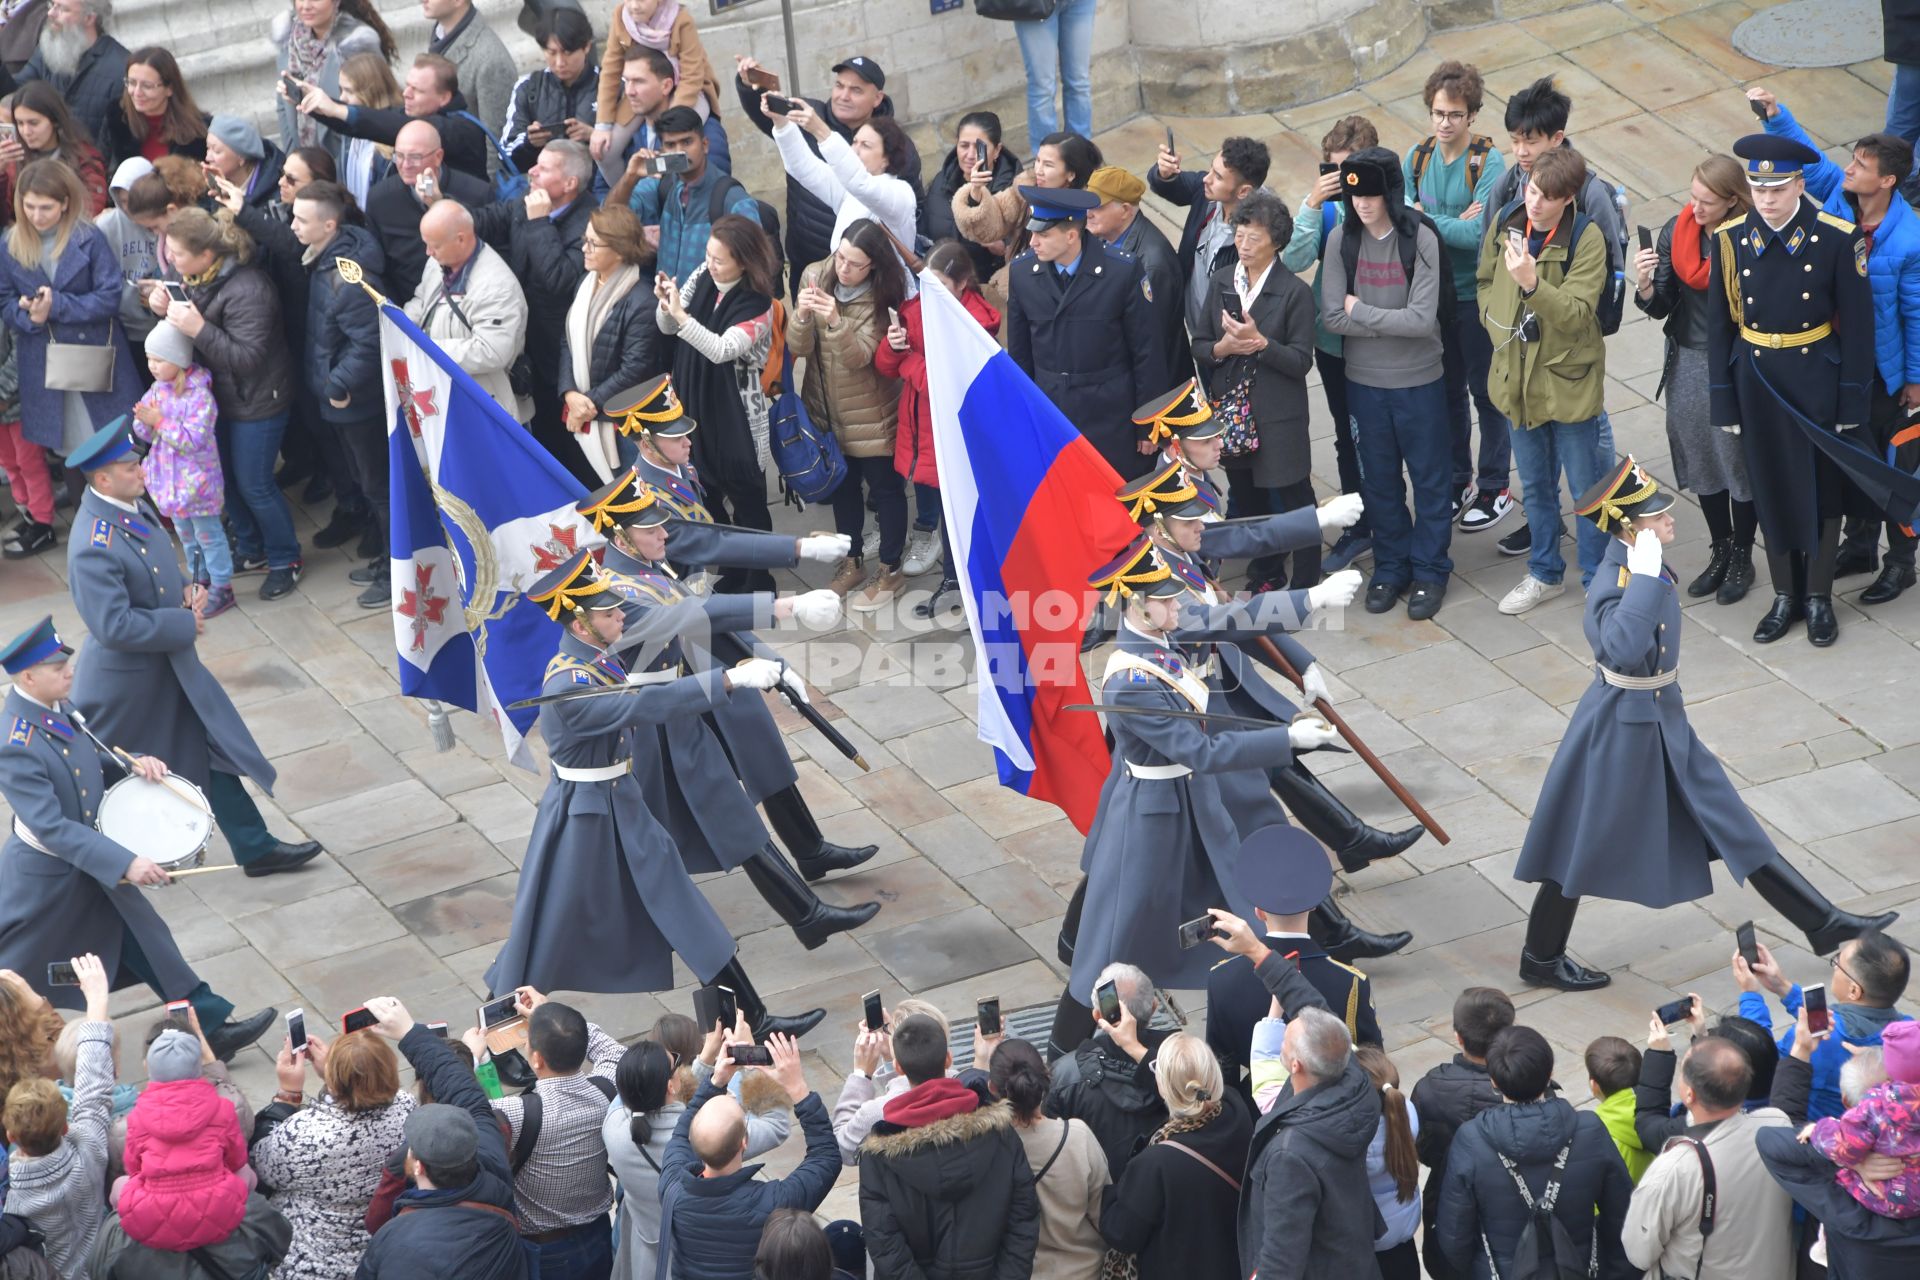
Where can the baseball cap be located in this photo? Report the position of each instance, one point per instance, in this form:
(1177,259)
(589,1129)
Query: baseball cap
(864,67)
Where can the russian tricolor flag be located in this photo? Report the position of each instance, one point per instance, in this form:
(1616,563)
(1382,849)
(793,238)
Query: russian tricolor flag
(1030,513)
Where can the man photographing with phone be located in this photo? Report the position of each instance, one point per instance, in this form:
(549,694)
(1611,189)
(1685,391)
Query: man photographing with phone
(679,208)
(1867,975)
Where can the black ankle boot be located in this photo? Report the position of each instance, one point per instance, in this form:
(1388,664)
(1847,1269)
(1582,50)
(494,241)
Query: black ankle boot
(1807,909)
(1073,1026)
(792,821)
(1346,941)
(1718,561)
(1544,961)
(811,920)
(764,1024)
(1329,821)
(1561,971)
(1739,578)
(1070,924)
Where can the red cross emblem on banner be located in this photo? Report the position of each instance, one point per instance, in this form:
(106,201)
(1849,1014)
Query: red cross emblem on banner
(420,604)
(417,405)
(556,550)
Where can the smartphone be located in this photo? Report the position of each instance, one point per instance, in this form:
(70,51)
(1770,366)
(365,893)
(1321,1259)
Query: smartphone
(1646,237)
(358,1020)
(893,317)
(1748,944)
(1674,1011)
(979,153)
(175,290)
(750,1055)
(1819,1021)
(1195,931)
(1231,304)
(1758,108)
(1106,1001)
(8,133)
(669,162)
(179,1009)
(779,105)
(290,87)
(60,974)
(438,1028)
(1517,238)
(426,186)
(1170,147)
(297,1030)
(495,1012)
(1327,167)
(762,79)
(986,1012)
(875,1011)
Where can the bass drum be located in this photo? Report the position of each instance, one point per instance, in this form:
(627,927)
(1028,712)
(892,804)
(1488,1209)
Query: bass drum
(169,822)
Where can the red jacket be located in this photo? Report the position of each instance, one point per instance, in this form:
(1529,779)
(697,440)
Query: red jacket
(913,442)
(184,1154)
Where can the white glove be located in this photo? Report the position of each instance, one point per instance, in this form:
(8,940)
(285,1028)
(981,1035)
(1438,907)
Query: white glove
(1314,683)
(826,548)
(1733,430)
(1336,592)
(1307,734)
(1341,512)
(1644,555)
(791,681)
(817,610)
(755,673)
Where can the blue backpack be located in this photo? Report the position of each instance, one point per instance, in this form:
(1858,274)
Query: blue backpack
(509,183)
(810,462)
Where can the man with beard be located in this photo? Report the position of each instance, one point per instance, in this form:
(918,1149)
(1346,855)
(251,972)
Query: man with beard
(78,57)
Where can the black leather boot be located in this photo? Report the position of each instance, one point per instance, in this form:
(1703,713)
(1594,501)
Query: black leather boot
(764,1024)
(1070,924)
(1073,1026)
(1718,561)
(1346,941)
(1544,961)
(231,1037)
(1807,909)
(1330,822)
(792,821)
(1789,580)
(1823,627)
(1739,577)
(811,920)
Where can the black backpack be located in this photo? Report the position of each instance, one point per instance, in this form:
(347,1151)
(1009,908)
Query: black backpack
(722,195)
(1409,260)
(1544,1251)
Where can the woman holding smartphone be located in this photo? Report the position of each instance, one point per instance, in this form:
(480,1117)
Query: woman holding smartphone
(976,144)
(43,129)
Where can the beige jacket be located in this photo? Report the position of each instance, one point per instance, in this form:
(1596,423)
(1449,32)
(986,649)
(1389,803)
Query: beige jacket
(1070,1243)
(843,388)
(484,330)
(1753,1223)
(1001,216)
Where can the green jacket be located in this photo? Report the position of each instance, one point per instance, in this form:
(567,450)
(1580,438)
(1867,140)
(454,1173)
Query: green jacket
(1616,1112)
(1562,377)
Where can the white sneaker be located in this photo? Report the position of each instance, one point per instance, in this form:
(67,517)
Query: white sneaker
(870,545)
(1529,593)
(923,552)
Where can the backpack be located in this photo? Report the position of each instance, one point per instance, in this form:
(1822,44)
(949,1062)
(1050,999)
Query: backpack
(1613,295)
(1477,151)
(809,460)
(1409,259)
(722,195)
(509,183)
(1544,1251)
(531,1109)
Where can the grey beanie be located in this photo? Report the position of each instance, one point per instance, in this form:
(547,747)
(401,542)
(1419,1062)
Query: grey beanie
(238,136)
(173,1055)
(170,344)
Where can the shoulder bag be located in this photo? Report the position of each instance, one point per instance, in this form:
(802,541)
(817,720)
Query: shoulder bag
(1016,10)
(79,366)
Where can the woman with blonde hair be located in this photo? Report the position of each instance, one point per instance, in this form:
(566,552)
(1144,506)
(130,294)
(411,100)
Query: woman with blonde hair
(1174,1206)
(1393,1168)
(1672,286)
(365,81)
(232,314)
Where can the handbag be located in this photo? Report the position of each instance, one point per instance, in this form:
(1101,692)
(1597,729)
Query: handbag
(1240,438)
(79,366)
(1016,10)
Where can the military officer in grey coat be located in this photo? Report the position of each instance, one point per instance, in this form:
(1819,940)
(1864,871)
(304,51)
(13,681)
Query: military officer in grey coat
(65,888)
(1634,806)
(139,680)
(653,416)
(685,773)
(604,901)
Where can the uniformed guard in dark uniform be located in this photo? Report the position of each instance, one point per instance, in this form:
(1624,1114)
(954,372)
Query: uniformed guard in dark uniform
(65,888)
(139,680)
(1080,325)
(604,901)
(1790,356)
(1634,806)
(689,782)
(1284,872)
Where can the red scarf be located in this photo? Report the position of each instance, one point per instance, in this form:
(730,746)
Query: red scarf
(1688,262)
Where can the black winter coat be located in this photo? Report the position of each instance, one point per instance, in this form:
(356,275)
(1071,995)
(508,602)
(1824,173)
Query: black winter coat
(277,252)
(343,330)
(243,344)
(1861,1245)
(1445,1098)
(1147,245)
(1306,1211)
(394,213)
(1186,189)
(950,1200)
(628,350)
(1683,309)
(1111,1094)
(464,142)
(1900,22)
(1175,1213)
(541,99)
(265,190)
(92,92)
(1479,1198)
(117,142)
(545,256)
(939,206)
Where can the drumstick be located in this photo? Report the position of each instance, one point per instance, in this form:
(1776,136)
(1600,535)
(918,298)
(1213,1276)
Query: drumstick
(195,871)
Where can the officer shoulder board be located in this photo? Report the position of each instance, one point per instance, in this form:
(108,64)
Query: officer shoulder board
(1859,246)
(1834,220)
(102,535)
(583,673)
(21,733)
(1140,671)
(682,501)
(1729,267)
(646,587)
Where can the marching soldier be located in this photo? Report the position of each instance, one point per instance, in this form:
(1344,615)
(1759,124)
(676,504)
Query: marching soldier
(66,889)
(1634,806)
(604,901)
(652,416)
(1081,325)
(1284,872)
(139,681)
(1791,355)
(688,781)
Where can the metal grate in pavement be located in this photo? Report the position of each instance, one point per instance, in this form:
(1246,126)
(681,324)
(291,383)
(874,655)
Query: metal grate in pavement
(1034,1022)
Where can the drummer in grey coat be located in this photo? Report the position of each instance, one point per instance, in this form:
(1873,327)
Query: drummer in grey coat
(1634,806)
(604,901)
(65,888)
(689,782)
(140,681)
(651,415)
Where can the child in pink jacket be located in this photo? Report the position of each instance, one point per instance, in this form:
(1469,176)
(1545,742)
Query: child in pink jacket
(183,468)
(187,1174)
(1884,1122)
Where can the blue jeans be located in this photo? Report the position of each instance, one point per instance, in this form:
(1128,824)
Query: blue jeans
(262,520)
(926,507)
(1903,103)
(208,554)
(1059,49)
(1584,452)
(1468,350)
(584,1253)
(1395,428)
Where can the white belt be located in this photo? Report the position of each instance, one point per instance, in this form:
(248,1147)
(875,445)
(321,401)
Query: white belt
(600,773)
(1619,681)
(1157,772)
(29,839)
(656,677)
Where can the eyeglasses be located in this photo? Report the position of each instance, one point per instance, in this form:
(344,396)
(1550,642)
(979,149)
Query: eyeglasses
(1842,971)
(1450,117)
(413,157)
(587,242)
(142,86)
